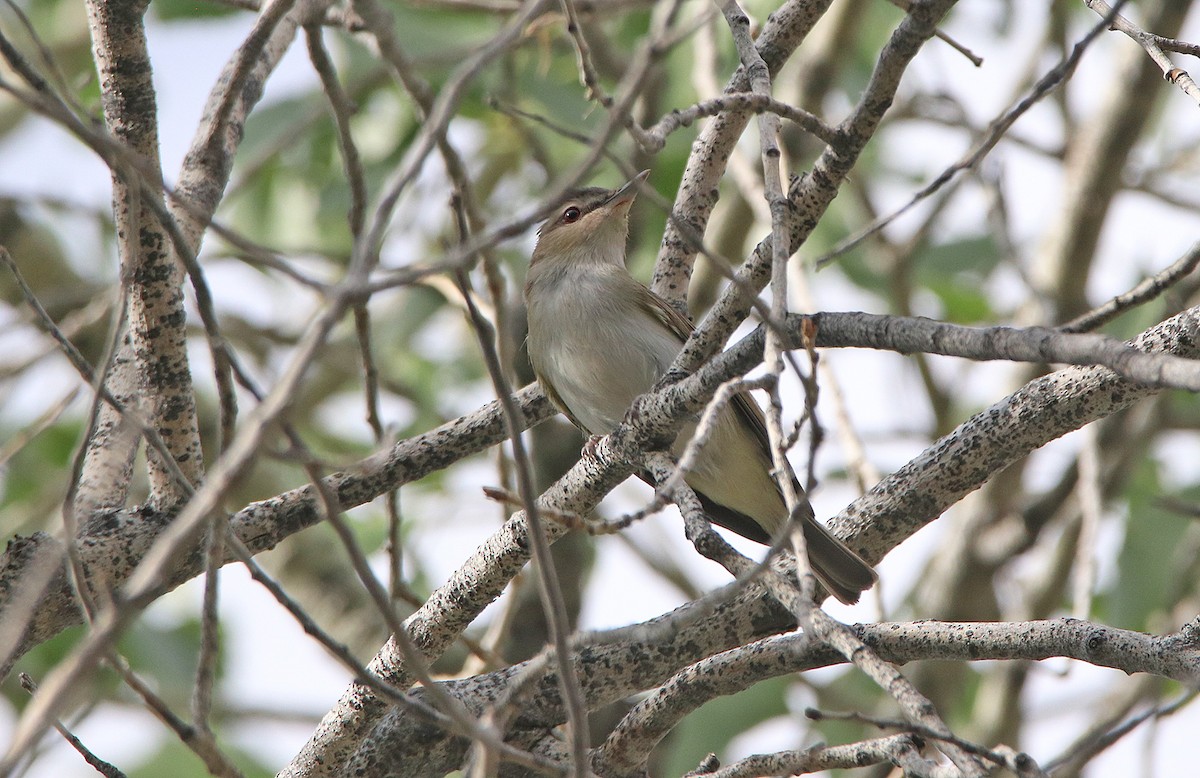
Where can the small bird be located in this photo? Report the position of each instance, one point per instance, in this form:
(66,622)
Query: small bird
(598,339)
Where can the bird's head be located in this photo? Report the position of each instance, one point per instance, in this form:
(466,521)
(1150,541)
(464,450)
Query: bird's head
(591,224)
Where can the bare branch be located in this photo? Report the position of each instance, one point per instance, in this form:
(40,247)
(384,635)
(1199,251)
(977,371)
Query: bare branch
(997,130)
(1151,43)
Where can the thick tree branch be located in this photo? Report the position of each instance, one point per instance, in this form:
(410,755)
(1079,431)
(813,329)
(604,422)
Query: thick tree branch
(810,196)
(786,30)
(264,524)
(511,721)
(1042,410)
(157,339)
(115,543)
(611,671)
(915,495)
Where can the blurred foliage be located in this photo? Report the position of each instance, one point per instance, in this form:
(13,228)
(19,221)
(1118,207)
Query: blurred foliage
(189,10)
(41,660)
(1149,575)
(289,194)
(174,759)
(169,652)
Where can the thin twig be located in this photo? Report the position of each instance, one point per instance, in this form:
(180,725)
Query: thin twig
(543,562)
(1176,75)
(1100,741)
(197,739)
(996,131)
(583,56)
(343,109)
(1146,290)
(759,76)
(975,59)
(98,764)
(1022,764)
(655,137)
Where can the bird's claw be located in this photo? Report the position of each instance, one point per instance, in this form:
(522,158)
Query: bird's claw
(589,445)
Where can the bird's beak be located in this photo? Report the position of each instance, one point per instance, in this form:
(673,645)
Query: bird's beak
(624,196)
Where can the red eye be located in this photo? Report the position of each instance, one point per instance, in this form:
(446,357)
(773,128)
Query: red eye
(572,214)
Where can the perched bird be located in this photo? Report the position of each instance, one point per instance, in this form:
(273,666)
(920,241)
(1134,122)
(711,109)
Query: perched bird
(598,339)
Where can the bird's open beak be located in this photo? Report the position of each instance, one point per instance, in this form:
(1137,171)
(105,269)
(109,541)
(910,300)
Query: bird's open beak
(624,196)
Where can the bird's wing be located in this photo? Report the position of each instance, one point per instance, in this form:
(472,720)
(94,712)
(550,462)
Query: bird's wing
(838,568)
(671,318)
(557,401)
(743,404)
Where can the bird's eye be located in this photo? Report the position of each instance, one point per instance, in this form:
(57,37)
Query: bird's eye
(572,214)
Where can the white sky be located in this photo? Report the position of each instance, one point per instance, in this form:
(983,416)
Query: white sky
(273,664)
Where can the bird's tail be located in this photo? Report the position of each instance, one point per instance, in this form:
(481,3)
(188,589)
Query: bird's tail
(841,570)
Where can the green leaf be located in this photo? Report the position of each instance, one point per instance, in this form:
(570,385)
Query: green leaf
(178,761)
(40,660)
(167,653)
(169,10)
(24,474)
(963,303)
(1146,564)
(975,255)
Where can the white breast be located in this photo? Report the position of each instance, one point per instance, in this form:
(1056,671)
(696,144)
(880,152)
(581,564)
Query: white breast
(589,339)
(594,345)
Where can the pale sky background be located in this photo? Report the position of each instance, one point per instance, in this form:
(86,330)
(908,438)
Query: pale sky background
(274,665)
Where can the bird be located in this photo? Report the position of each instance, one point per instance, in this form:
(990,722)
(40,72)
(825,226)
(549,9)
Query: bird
(598,338)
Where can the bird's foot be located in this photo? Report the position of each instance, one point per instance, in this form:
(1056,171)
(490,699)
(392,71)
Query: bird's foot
(589,445)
